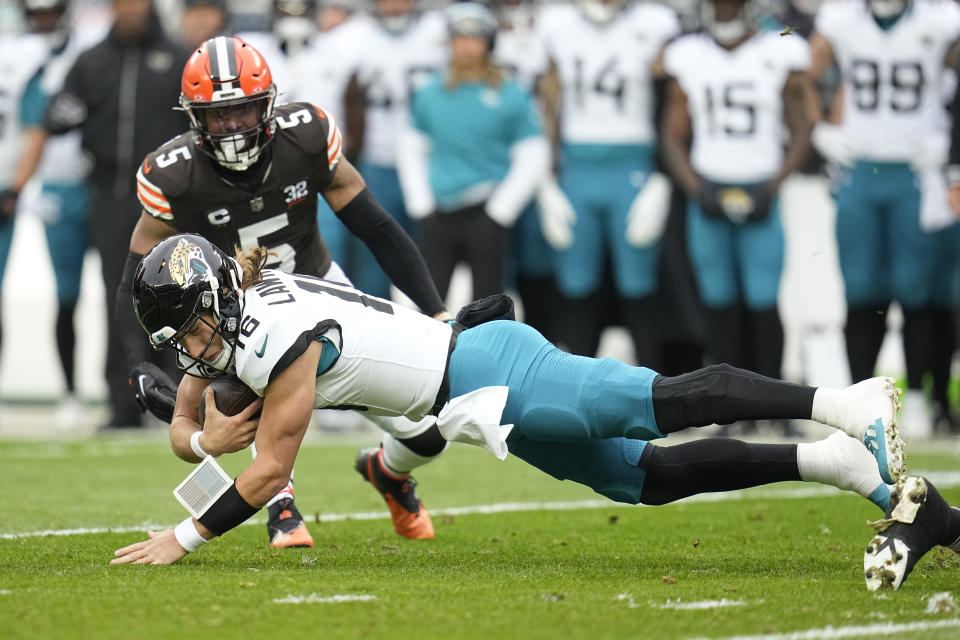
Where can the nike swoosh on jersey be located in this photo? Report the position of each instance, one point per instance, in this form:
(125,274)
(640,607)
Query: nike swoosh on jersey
(263,347)
(147,167)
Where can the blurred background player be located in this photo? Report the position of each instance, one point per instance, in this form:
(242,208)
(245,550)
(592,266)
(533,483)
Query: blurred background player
(29,51)
(891,56)
(201,20)
(473,158)
(282,39)
(118,94)
(62,200)
(603,53)
(733,89)
(521,54)
(323,71)
(402,47)
(248,174)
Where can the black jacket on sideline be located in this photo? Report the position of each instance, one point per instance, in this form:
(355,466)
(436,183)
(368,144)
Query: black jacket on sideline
(122,96)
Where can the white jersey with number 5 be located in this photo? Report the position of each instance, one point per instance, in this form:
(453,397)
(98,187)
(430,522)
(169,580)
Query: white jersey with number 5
(892,79)
(735,99)
(374,373)
(605,71)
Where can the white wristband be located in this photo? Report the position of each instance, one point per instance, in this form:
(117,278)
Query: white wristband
(187,535)
(195,445)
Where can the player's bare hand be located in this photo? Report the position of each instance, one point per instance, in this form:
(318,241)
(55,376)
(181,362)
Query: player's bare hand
(953,197)
(226,434)
(161,548)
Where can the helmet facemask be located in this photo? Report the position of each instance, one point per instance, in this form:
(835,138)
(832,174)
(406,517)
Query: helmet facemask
(207,312)
(233,132)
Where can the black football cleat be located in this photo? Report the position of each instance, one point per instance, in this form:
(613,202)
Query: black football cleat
(410,517)
(915,522)
(285,526)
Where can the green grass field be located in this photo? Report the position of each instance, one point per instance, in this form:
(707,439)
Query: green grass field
(781,560)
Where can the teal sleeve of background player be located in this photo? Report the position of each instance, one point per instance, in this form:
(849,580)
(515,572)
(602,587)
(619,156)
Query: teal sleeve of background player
(33,103)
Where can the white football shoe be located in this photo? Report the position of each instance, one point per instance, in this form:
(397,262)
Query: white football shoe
(845,464)
(867,411)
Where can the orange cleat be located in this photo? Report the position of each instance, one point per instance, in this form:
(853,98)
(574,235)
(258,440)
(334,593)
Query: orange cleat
(285,526)
(410,517)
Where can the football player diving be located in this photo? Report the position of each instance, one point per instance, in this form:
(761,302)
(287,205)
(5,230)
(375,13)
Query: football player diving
(248,174)
(491,382)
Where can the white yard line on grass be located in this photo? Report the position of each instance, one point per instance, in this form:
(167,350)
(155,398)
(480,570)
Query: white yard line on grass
(940,478)
(313,598)
(829,633)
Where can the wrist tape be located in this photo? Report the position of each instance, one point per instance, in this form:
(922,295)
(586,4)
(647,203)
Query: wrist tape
(187,535)
(195,445)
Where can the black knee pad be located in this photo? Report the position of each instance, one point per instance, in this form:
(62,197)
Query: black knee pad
(428,444)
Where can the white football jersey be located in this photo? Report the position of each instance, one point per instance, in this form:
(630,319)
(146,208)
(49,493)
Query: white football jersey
(735,100)
(281,66)
(605,71)
(20,58)
(391,67)
(892,79)
(391,360)
(324,68)
(522,56)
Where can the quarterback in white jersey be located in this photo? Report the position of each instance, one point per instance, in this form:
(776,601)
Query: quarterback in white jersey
(890,148)
(490,381)
(734,88)
(603,53)
(366,358)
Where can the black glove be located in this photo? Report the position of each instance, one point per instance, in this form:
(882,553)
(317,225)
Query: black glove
(155,391)
(8,205)
(498,306)
(708,197)
(762,197)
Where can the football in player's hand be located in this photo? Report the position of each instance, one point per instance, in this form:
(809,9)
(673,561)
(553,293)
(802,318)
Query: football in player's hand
(231,396)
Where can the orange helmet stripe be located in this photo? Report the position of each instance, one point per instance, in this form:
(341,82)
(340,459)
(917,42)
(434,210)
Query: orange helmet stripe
(224,68)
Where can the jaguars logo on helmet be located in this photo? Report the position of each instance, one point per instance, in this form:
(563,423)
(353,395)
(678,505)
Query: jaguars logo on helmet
(183,280)
(186,263)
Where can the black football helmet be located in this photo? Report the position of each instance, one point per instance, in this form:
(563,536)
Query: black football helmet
(182,280)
